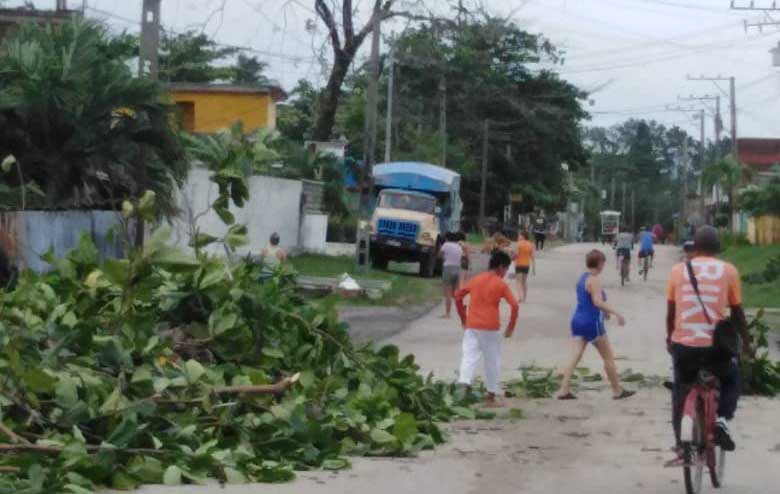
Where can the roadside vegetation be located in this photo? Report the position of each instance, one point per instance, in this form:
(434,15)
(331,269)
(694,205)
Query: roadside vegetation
(406,289)
(752,261)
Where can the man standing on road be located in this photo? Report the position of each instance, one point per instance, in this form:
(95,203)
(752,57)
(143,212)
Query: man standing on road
(481,335)
(540,231)
(689,331)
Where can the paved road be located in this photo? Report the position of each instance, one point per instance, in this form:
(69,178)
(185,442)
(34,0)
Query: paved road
(591,446)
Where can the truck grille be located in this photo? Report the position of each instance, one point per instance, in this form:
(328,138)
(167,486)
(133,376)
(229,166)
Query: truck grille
(406,230)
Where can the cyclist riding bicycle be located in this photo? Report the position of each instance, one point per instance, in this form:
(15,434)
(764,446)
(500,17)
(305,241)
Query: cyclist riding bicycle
(645,246)
(689,331)
(623,245)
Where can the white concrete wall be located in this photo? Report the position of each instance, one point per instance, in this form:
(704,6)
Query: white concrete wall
(339,249)
(314,231)
(274,206)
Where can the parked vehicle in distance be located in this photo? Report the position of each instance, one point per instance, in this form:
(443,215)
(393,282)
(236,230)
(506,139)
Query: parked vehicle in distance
(415,204)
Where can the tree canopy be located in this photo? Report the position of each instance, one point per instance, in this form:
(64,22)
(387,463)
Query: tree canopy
(649,158)
(79,124)
(482,68)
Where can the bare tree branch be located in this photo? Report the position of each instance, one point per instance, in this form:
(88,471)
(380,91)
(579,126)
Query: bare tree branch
(327,17)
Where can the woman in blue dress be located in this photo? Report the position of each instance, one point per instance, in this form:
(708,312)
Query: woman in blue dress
(587,326)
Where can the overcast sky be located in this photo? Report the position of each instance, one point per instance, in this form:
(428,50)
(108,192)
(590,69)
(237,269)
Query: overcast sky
(635,52)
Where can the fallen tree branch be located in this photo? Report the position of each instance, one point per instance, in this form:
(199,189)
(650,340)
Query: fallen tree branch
(41,448)
(277,388)
(12,435)
(10,469)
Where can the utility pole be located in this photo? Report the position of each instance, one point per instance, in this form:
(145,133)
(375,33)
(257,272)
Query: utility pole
(148,66)
(633,215)
(623,201)
(390,94)
(363,254)
(149,60)
(483,185)
(732,103)
(612,193)
(443,119)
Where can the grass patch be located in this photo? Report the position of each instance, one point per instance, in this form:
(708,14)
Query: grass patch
(406,288)
(753,259)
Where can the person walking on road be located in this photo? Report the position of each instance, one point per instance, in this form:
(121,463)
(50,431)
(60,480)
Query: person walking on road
(451,253)
(587,326)
(524,261)
(481,322)
(540,231)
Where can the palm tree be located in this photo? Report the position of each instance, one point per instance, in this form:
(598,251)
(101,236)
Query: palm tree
(725,174)
(79,124)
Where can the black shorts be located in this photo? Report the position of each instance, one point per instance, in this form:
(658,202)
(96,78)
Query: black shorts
(623,252)
(522,269)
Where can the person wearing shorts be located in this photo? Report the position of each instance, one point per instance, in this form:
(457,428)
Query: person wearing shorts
(523,261)
(451,253)
(645,247)
(587,326)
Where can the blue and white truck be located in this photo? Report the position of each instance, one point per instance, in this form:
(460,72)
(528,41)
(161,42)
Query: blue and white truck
(415,205)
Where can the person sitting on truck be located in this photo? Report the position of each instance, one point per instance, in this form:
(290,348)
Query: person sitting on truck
(451,253)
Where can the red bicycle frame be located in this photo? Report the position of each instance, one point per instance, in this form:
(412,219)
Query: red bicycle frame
(706,394)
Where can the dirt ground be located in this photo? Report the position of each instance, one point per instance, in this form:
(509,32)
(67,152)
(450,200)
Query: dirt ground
(593,445)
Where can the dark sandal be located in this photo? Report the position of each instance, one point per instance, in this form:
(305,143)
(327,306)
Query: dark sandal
(567,396)
(624,394)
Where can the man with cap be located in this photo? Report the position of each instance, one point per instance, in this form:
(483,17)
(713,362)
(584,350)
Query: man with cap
(689,330)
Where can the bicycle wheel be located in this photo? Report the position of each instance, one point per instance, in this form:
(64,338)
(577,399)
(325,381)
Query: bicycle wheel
(694,466)
(645,268)
(717,465)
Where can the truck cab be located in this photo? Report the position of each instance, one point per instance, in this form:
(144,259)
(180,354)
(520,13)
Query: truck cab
(415,205)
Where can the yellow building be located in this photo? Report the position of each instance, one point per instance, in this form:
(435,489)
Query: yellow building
(208,108)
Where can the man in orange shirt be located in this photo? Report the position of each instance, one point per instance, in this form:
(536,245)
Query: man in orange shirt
(689,331)
(481,335)
(523,262)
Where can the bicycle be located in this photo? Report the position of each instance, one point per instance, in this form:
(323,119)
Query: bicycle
(625,268)
(697,434)
(645,267)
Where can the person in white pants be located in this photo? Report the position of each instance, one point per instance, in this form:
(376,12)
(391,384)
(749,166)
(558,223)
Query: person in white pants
(481,322)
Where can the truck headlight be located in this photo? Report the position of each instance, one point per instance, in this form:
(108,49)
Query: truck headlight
(365,226)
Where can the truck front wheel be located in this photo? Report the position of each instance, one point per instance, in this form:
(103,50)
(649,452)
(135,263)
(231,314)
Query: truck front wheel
(428,265)
(379,260)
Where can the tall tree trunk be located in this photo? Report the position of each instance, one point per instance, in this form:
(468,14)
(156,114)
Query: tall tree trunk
(329,101)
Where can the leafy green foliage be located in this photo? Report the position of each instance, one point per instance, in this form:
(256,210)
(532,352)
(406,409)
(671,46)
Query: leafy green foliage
(79,123)
(760,375)
(194,57)
(645,156)
(249,71)
(770,273)
(762,200)
(117,366)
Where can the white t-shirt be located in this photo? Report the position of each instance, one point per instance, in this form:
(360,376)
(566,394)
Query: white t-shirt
(452,253)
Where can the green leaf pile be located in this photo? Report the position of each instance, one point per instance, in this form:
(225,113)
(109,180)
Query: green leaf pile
(111,375)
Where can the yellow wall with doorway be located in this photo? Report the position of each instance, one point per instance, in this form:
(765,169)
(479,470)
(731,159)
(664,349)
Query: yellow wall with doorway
(214,111)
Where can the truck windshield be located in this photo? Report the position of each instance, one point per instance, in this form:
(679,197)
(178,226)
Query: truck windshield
(409,202)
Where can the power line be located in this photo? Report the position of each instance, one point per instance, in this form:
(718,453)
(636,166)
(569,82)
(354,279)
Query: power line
(266,53)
